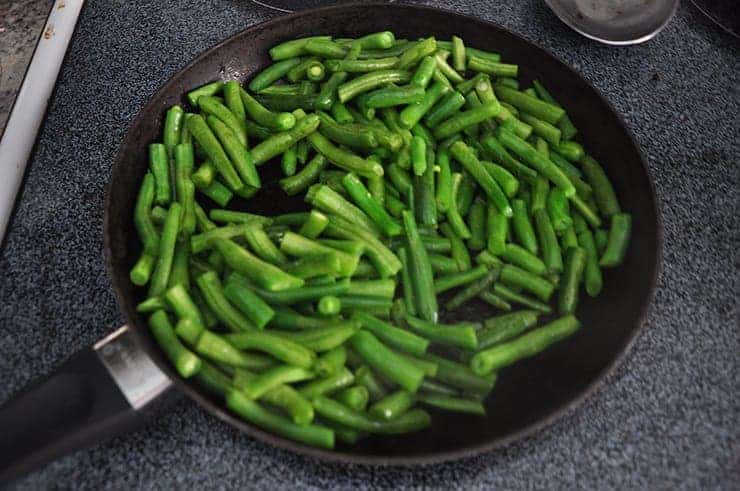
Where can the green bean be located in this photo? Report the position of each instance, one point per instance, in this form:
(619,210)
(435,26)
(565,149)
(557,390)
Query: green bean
(453,404)
(313,435)
(184,307)
(373,304)
(185,189)
(205,240)
(425,301)
(304,293)
(424,71)
(540,190)
(479,64)
(372,208)
(262,273)
(303,99)
(446,69)
(350,134)
(216,348)
(550,249)
(618,240)
(161,274)
(460,376)
(297,73)
(366,378)
(237,152)
(326,386)
(284,349)
(157,214)
(502,156)
(458,54)
(383,258)
(272,379)
(509,295)
(406,281)
(469,161)
(329,305)
(216,154)
(180,274)
(465,119)
(540,109)
(261,244)
(280,142)
(417,52)
(444,196)
(186,362)
(231,216)
(472,290)
(212,107)
(386,362)
(414,420)
(575,262)
(281,395)
(571,150)
(453,280)
(454,219)
(568,239)
(212,379)
(299,246)
(368,81)
(399,178)
(327,95)
(274,72)
(592,278)
(505,327)
(292,48)
(505,179)
(361,66)
(325,48)
(494,301)
(295,184)
(233,99)
(355,397)
(542,128)
(565,124)
(536,159)
(445,108)
(263,116)
(418,155)
(525,346)
(488,259)
(586,211)
(344,159)
(210,89)
(285,318)
(393,336)
(204,176)
(606,198)
(522,226)
(251,305)
(326,199)
(213,294)
(142,217)
(497,227)
(523,258)
(172,128)
(159,167)
(393,405)
(142,269)
(559,211)
(460,335)
(413,113)
(457,247)
(477,226)
(523,279)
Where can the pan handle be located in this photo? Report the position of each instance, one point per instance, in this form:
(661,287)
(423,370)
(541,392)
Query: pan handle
(99,392)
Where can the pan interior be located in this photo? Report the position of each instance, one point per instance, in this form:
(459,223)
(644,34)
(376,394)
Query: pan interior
(528,395)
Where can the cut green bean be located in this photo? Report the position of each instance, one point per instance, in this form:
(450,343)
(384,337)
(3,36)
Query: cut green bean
(525,346)
(505,327)
(461,335)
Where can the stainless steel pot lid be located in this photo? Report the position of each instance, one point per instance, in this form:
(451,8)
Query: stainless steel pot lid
(617,22)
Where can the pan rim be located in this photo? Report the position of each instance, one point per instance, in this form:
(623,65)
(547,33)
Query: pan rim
(339,456)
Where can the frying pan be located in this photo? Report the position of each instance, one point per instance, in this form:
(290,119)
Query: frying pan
(111,387)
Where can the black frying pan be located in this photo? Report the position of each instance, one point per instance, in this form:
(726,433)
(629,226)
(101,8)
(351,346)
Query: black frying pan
(81,403)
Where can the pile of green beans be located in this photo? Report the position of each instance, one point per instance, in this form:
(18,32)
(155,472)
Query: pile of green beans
(421,163)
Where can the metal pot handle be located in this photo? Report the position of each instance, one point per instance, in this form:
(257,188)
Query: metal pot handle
(100,392)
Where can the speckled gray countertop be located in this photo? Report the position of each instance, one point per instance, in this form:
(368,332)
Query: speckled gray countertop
(667,418)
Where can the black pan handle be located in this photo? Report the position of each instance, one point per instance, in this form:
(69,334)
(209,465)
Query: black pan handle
(100,392)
